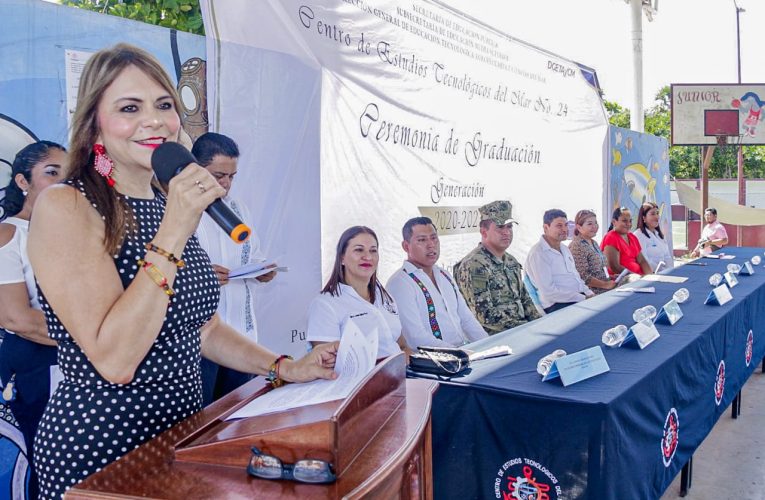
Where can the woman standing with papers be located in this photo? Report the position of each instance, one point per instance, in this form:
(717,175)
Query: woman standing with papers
(353,292)
(219,155)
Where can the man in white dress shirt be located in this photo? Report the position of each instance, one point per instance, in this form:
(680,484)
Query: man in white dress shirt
(551,268)
(219,155)
(430,306)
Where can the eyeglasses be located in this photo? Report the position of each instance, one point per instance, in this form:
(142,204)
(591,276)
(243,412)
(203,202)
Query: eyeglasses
(308,470)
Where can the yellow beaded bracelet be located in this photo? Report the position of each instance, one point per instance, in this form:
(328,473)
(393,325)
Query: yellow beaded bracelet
(156,276)
(164,253)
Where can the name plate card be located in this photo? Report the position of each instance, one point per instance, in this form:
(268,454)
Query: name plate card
(747,269)
(719,296)
(670,313)
(578,366)
(730,279)
(641,334)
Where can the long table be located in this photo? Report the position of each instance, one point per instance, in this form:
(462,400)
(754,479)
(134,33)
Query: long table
(500,432)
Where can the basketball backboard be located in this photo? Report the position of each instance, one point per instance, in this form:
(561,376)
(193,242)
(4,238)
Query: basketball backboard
(702,113)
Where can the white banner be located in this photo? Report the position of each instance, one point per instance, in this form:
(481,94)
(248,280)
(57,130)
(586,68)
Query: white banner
(393,108)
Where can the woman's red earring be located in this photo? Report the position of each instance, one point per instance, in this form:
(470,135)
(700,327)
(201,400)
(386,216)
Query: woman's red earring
(103,164)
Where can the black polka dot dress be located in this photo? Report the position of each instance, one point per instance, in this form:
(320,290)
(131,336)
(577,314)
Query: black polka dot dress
(90,422)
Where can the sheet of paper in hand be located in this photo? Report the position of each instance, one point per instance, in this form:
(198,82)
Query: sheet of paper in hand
(355,359)
(254,270)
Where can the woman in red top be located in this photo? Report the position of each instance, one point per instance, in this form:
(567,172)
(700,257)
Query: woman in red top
(621,247)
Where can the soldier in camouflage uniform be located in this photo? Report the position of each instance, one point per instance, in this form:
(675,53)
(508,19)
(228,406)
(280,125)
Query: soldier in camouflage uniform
(490,279)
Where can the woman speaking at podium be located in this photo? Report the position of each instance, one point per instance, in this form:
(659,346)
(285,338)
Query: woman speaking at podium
(127,291)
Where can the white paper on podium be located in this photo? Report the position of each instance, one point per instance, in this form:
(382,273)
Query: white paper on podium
(355,359)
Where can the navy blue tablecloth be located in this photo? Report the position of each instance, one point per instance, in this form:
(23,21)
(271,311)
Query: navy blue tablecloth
(500,432)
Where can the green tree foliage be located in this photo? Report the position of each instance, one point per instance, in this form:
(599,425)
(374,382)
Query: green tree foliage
(183,15)
(684,161)
(617,115)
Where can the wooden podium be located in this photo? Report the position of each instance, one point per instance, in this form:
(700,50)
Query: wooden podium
(378,440)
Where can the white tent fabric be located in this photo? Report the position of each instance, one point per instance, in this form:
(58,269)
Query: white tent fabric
(361,112)
(727,212)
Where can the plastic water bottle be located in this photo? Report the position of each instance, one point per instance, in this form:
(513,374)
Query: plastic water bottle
(756,260)
(734,268)
(715,279)
(644,313)
(544,364)
(681,295)
(613,336)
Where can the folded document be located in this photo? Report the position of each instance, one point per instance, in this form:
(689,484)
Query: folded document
(254,270)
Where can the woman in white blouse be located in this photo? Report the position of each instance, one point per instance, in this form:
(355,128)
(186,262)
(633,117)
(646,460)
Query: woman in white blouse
(655,247)
(27,353)
(354,292)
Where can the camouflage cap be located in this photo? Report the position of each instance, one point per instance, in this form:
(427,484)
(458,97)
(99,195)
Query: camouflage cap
(500,212)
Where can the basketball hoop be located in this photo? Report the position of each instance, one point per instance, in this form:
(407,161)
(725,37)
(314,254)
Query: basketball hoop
(722,124)
(722,140)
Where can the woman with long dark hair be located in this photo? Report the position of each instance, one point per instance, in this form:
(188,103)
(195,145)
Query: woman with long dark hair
(353,292)
(27,353)
(651,238)
(621,247)
(128,293)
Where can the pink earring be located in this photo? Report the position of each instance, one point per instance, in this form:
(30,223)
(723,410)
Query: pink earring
(103,164)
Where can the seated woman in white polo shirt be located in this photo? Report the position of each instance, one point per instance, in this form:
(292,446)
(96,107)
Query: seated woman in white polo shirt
(655,247)
(353,291)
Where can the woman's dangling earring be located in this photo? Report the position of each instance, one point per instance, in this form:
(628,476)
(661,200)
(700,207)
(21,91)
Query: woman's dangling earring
(24,192)
(103,164)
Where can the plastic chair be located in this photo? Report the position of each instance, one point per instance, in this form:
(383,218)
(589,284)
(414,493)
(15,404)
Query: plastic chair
(533,292)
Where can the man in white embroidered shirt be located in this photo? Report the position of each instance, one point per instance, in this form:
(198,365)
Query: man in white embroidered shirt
(219,154)
(430,306)
(550,266)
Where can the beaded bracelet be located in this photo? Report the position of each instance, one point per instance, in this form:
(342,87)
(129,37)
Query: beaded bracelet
(273,372)
(164,253)
(156,276)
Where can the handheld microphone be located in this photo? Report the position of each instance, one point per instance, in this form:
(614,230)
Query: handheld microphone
(168,160)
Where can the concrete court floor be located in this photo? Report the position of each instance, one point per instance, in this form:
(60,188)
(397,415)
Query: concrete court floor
(730,463)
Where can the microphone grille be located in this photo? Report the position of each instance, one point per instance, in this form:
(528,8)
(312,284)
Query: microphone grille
(169,159)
